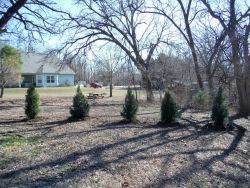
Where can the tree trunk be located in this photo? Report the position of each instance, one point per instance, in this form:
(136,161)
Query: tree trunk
(110,90)
(196,67)
(243,88)
(191,44)
(111,84)
(245,84)
(210,87)
(84,72)
(242,83)
(148,87)
(242,76)
(133,79)
(2,90)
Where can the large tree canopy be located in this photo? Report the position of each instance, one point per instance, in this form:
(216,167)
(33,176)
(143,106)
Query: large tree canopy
(122,23)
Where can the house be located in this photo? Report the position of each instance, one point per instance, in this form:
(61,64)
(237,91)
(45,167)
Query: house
(42,70)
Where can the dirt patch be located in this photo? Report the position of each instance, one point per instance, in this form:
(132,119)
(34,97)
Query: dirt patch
(103,151)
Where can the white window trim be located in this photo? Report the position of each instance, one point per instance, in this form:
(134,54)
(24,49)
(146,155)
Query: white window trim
(39,78)
(50,76)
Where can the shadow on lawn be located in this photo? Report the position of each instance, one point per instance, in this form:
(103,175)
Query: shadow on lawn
(3,108)
(121,124)
(47,126)
(206,165)
(96,161)
(11,122)
(10,104)
(39,126)
(93,103)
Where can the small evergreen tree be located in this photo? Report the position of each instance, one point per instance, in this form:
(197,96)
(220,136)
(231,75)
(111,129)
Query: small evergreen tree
(201,99)
(32,103)
(130,107)
(219,110)
(80,108)
(168,109)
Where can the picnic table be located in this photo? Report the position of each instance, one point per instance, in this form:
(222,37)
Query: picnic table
(96,95)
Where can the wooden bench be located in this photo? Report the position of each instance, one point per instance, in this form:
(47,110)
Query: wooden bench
(95,96)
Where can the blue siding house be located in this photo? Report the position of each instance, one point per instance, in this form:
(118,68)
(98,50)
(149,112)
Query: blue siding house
(42,70)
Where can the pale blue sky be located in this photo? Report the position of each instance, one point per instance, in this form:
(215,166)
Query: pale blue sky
(55,41)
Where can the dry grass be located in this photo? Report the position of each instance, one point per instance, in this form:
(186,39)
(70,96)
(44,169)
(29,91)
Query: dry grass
(102,151)
(19,93)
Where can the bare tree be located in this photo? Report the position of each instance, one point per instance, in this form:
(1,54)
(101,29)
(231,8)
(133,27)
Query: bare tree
(79,65)
(30,19)
(182,22)
(236,23)
(123,24)
(109,60)
(210,44)
(170,67)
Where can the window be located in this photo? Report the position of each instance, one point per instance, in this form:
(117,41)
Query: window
(50,79)
(39,79)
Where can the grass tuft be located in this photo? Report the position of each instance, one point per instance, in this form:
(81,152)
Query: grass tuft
(16,140)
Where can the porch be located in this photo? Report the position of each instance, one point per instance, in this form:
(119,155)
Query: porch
(28,80)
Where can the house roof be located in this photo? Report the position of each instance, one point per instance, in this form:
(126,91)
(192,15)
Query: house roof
(34,63)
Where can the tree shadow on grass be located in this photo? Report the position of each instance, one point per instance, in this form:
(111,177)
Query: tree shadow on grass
(95,152)
(36,125)
(10,104)
(106,104)
(138,114)
(148,113)
(205,165)
(13,121)
(117,125)
(94,157)
(3,108)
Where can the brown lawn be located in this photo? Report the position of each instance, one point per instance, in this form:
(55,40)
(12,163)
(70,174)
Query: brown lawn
(104,152)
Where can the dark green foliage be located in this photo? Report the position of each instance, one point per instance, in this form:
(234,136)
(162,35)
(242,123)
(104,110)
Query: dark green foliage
(130,107)
(78,90)
(32,106)
(80,108)
(219,110)
(168,109)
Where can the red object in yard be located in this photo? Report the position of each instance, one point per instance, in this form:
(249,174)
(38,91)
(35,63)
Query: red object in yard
(95,85)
